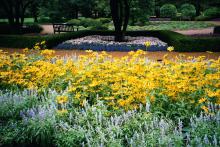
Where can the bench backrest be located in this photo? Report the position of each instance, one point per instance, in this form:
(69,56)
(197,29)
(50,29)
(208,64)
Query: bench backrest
(64,27)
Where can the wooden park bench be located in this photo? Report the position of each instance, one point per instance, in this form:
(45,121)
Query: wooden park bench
(64,27)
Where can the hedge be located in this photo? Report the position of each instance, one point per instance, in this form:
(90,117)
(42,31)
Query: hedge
(180,42)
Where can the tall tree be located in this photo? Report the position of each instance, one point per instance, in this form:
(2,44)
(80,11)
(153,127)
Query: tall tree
(15,10)
(120,12)
(141,10)
(34,10)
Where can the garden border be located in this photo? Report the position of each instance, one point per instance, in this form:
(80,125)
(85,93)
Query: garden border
(181,42)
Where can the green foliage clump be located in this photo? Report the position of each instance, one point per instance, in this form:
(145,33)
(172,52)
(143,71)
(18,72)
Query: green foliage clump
(202,18)
(104,20)
(69,138)
(212,12)
(188,11)
(42,125)
(88,22)
(168,10)
(75,22)
(93,24)
(209,14)
(44,20)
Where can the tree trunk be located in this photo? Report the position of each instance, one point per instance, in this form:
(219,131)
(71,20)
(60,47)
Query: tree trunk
(127,14)
(76,16)
(120,15)
(17,14)
(198,7)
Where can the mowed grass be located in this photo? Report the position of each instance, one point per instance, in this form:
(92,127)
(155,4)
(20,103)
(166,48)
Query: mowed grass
(26,20)
(172,25)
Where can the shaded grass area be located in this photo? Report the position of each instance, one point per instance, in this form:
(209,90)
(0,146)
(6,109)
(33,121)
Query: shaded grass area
(181,42)
(172,25)
(26,21)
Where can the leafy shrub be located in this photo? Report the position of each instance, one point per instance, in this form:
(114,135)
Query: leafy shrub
(32,29)
(104,20)
(188,10)
(69,138)
(44,20)
(76,22)
(212,12)
(202,18)
(7,29)
(89,22)
(168,10)
(55,17)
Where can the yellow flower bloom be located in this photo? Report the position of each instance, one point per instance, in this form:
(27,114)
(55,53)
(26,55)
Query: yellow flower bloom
(62,99)
(36,47)
(206,109)
(202,100)
(89,51)
(25,50)
(48,53)
(43,42)
(147,44)
(170,48)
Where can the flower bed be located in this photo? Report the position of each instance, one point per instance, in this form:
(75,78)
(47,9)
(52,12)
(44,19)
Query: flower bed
(106,43)
(98,100)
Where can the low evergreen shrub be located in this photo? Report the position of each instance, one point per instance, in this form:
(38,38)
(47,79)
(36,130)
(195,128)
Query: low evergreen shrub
(168,10)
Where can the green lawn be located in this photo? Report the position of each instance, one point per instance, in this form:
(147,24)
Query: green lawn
(26,20)
(172,25)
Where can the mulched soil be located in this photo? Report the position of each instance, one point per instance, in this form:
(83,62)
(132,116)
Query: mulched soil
(151,55)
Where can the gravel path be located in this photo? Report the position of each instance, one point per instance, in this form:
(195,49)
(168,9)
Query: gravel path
(206,31)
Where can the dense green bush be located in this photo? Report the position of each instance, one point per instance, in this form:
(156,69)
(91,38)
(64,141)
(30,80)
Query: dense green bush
(32,29)
(88,22)
(104,20)
(168,10)
(44,20)
(188,11)
(212,12)
(94,24)
(76,22)
(202,18)
(102,27)
(7,29)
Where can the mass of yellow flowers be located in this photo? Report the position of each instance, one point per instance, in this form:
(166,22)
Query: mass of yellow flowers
(123,83)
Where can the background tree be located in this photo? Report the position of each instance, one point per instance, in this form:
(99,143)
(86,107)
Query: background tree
(15,10)
(141,10)
(34,10)
(101,8)
(69,8)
